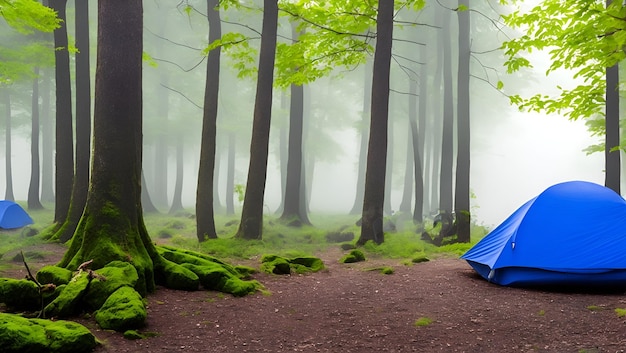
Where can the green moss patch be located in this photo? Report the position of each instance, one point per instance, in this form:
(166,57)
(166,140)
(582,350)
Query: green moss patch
(214,277)
(353,256)
(175,276)
(283,266)
(54,274)
(19,293)
(123,310)
(19,335)
(67,303)
(114,275)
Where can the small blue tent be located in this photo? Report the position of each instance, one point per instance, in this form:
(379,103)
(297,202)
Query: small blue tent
(573,233)
(13,215)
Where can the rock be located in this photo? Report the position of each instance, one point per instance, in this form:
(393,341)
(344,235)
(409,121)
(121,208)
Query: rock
(123,310)
(19,335)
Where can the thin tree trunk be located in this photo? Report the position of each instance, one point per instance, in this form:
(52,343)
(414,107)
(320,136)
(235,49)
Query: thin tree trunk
(447,140)
(33,187)
(205,215)
(251,225)
(462,189)
(294,212)
(161,147)
(8,193)
(47,140)
(177,200)
(64,161)
(83,123)
(612,126)
(230,174)
(283,150)
(357,207)
(407,190)
(146,201)
(372,218)
(421,197)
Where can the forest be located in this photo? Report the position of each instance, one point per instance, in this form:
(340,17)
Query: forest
(154,141)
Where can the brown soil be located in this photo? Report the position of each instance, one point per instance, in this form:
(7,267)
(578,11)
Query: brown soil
(348,309)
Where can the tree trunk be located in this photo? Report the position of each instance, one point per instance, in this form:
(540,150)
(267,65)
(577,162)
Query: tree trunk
(372,217)
(47,140)
(230,174)
(8,193)
(205,217)
(421,197)
(33,188)
(251,225)
(447,140)
(161,146)
(177,200)
(112,227)
(83,124)
(283,150)
(294,212)
(364,132)
(64,160)
(462,189)
(407,190)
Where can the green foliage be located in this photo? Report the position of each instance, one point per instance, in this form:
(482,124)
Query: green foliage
(620,312)
(27,16)
(583,36)
(353,256)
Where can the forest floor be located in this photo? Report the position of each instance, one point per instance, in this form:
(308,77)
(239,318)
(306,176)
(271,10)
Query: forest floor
(351,308)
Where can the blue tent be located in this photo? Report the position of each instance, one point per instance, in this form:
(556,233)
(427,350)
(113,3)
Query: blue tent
(13,215)
(573,233)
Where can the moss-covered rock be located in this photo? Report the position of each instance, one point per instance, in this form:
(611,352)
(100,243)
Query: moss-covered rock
(114,275)
(181,256)
(21,335)
(123,310)
(68,301)
(19,293)
(275,264)
(54,274)
(306,264)
(281,265)
(175,276)
(215,277)
(353,256)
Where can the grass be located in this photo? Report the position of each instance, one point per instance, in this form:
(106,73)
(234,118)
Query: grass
(179,230)
(423,321)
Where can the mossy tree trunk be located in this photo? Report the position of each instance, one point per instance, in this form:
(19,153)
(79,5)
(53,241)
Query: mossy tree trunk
(112,227)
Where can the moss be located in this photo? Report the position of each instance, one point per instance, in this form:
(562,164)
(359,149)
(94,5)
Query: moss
(423,321)
(307,264)
(116,274)
(123,310)
(181,256)
(419,258)
(275,264)
(19,293)
(353,256)
(68,301)
(215,277)
(245,271)
(175,276)
(54,274)
(387,270)
(133,335)
(22,335)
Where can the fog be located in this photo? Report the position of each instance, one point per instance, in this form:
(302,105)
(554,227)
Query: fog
(514,155)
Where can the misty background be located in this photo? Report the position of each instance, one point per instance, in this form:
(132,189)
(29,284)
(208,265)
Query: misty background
(514,155)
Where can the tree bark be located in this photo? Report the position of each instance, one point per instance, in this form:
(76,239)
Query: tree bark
(205,214)
(83,123)
(64,160)
(251,225)
(230,174)
(372,217)
(33,188)
(462,189)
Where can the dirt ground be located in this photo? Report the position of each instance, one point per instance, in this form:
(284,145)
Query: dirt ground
(346,308)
